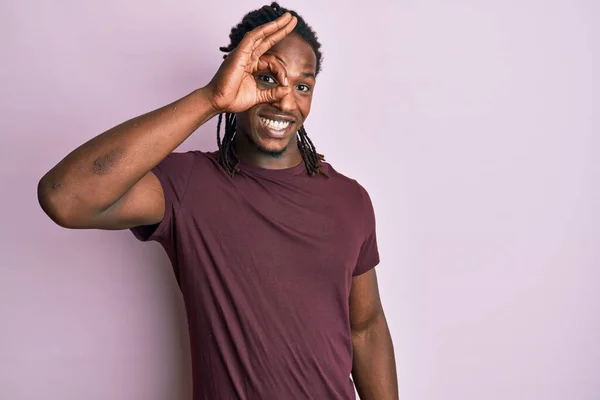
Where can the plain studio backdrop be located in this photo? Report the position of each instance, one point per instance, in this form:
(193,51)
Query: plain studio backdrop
(471,124)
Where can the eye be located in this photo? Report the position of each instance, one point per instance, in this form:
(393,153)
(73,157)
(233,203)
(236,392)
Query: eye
(303,88)
(267,79)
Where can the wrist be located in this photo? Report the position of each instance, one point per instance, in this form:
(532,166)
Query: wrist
(205,96)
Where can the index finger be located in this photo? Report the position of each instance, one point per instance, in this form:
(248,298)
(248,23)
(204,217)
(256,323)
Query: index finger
(270,41)
(255,36)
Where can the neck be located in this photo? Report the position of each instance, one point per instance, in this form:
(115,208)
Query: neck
(248,151)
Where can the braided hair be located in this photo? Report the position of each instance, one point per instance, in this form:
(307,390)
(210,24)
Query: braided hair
(226,154)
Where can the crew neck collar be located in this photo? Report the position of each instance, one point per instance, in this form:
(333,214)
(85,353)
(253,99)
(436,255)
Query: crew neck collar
(248,167)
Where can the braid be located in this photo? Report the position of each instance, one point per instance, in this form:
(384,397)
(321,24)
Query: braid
(226,154)
(312,159)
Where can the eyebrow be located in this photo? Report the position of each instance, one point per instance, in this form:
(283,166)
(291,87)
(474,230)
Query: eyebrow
(308,75)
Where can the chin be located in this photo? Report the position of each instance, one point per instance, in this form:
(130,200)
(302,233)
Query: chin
(267,147)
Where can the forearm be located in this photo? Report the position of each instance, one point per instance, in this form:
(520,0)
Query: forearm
(373,363)
(99,172)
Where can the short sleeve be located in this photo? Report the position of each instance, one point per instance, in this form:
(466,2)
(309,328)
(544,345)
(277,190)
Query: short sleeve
(174,174)
(368,257)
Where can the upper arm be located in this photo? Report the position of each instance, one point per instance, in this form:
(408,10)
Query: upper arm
(368,256)
(143,204)
(154,198)
(365,303)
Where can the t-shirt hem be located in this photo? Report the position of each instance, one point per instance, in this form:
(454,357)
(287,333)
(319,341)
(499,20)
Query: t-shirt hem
(366,267)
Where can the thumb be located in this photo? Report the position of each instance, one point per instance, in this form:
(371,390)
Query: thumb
(273,94)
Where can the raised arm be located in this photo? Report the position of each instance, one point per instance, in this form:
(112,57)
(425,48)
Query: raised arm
(107,182)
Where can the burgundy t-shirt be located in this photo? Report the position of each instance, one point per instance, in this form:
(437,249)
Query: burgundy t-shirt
(265,261)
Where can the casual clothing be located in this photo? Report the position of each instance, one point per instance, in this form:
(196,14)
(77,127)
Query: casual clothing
(265,261)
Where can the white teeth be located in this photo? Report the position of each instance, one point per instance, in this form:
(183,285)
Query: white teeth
(275,125)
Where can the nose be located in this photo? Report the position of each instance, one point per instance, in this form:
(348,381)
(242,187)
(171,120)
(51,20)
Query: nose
(287,103)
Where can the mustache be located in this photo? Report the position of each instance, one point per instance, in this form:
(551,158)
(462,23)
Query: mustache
(277,114)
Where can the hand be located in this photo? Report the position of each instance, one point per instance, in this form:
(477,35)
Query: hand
(234,88)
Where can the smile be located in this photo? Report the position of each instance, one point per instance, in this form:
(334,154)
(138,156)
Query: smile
(275,125)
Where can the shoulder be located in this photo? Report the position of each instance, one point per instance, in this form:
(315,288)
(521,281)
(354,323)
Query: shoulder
(180,169)
(341,179)
(350,188)
(352,199)
(182,162)
(192,156)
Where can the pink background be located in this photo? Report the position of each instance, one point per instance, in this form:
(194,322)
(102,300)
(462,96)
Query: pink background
(471,123)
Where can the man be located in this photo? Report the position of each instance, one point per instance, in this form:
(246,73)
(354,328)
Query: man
(273,249)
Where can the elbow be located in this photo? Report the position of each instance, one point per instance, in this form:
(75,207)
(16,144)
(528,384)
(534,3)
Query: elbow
(372,326)
(53,204)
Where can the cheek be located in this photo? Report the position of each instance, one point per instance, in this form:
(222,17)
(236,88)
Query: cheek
(304,107)
(245,118)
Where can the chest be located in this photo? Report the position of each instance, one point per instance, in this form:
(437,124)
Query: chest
(276,229)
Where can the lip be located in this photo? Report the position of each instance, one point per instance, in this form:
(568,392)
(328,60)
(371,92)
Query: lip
(278,118)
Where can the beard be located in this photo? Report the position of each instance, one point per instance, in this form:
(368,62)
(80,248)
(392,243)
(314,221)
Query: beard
(270,153)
